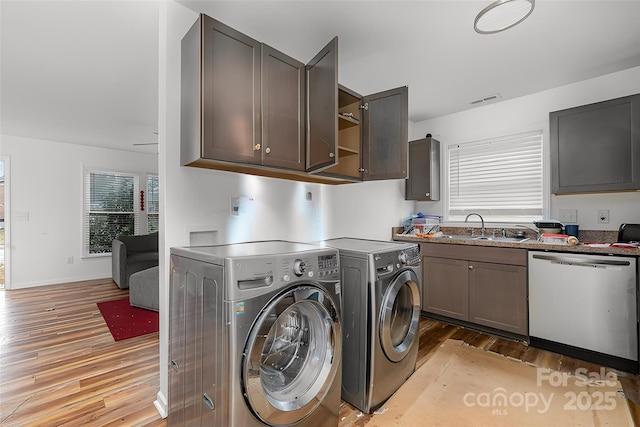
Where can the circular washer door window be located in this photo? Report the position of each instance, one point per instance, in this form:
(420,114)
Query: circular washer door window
(292,355)
(400,316)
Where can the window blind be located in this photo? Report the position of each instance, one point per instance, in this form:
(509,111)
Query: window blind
(111,209)
(500,178)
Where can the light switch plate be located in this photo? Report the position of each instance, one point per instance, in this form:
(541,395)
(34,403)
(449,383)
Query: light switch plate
(569,216)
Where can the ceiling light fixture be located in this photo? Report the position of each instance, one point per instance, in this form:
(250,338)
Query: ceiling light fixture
(502,14)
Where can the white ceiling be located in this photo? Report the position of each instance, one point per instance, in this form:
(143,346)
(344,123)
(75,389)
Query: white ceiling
(86,72)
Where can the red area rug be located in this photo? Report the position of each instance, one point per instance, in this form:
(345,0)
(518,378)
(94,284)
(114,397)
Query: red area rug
(125,321)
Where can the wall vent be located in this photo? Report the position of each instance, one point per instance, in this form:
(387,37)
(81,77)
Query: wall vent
(489,98)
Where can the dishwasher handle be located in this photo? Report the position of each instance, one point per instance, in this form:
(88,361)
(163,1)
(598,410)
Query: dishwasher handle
(586,263)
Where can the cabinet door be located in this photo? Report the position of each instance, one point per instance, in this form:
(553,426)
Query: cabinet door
(322,108)
(445,289)
(283,98)
(385,135)
(498,296)
(424,170)
(230,94)
(596,147)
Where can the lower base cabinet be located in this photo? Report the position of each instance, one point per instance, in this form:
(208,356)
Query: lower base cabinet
(478,284)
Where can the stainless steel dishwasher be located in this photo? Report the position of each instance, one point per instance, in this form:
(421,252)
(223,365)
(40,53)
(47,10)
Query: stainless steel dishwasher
(585,306)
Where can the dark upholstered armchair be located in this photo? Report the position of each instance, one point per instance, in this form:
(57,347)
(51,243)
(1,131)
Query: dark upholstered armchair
(130,254)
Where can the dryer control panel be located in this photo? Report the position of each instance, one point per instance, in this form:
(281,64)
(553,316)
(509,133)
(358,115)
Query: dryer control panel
(318,266)
(410,256)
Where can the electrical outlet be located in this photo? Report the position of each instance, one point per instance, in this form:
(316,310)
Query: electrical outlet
(603,215)
(569,216)
(21,216)
(70,260)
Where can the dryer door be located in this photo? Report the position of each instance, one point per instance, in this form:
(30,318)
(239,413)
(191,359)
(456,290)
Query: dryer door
(400,315)
(292,355)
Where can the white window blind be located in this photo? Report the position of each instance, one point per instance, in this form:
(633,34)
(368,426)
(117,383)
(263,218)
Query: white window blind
(500,178)
(111,209)
(153,207)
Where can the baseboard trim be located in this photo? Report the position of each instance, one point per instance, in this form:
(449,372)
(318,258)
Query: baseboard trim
(161,405)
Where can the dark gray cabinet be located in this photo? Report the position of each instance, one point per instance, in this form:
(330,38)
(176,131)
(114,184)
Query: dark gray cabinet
(482,285)
(248,108)
(283,102)
(242,103)
(372,135)
(423,182)
(322,103)
(221,86)
(596,147)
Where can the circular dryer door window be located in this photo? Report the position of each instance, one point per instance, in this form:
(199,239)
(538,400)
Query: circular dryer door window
(400,316)
(292,355)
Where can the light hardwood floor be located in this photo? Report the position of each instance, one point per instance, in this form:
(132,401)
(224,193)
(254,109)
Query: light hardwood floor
(59,364)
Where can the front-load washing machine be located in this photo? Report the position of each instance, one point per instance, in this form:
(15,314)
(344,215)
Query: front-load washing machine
(381,314)
(255,335)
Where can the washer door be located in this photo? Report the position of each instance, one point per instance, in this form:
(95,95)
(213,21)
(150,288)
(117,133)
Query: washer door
(292,355)
(400,315)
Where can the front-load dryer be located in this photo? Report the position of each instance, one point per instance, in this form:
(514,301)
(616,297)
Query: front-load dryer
(381,314)
(255,336)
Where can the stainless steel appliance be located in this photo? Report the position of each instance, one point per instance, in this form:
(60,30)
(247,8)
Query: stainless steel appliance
(255,336)
(381,313)
(629,233)
(585,306)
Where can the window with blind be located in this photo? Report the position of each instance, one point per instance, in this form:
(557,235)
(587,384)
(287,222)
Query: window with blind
(111,209)
(499,178)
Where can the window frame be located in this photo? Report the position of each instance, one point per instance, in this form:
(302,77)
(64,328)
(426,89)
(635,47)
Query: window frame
(141,218)
(523,218)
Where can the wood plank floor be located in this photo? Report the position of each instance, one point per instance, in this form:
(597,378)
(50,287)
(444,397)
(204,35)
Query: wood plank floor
(59,364)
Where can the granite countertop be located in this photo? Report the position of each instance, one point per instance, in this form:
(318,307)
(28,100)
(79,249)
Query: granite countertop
(531,244)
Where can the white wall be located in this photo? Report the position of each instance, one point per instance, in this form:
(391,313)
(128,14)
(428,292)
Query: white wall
(47,185)
(532,113)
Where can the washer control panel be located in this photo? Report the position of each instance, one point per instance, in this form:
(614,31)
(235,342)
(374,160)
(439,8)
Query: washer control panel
(320,266)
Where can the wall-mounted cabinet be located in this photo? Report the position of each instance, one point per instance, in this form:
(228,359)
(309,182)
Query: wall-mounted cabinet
(423,183)
(372,135)
(243,104)
(596,147)
(248,108)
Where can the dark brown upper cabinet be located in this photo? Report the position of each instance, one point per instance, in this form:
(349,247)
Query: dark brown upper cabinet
(372,135)
(243,104)
(596,147)
(424,170)
(322,103)
(283,114)
(230,72)
(248,108)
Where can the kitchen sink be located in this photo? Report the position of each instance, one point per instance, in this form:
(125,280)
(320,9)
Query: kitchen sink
(501,239)
(487,238)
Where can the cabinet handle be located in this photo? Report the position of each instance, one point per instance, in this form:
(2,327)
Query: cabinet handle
(175,366)
(427,194)
(471,267)
(332,155)
(208,402)
(267,150)
(257,147)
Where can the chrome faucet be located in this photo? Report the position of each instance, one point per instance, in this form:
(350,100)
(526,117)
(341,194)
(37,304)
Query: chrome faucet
(482,231)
